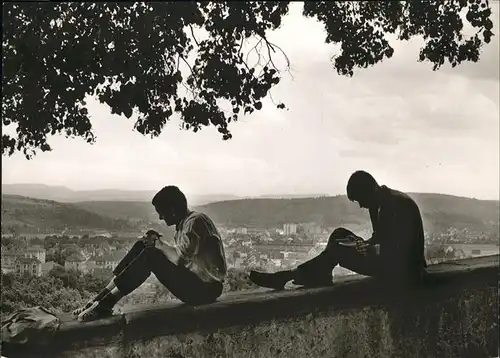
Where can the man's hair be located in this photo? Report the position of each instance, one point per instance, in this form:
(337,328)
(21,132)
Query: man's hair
(170,196)
(360,185)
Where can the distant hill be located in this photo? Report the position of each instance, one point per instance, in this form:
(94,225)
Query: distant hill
(67,195)
(439,212)
(285,196)
(29,214)
(442,211)
(130,210)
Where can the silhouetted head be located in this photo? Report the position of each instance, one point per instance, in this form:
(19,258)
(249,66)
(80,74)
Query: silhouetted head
(363,189)
(170,204)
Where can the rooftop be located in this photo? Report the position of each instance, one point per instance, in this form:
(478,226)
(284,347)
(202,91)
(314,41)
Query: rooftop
(28,260)
(75,258)
(35,248)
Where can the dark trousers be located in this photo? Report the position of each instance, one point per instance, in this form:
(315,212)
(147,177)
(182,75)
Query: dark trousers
(345,256)
(141,261)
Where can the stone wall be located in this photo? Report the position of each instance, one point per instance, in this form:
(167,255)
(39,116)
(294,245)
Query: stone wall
(454,315)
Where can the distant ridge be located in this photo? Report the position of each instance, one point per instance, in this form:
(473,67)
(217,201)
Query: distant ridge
(440,213)
(66,195)
(33,215)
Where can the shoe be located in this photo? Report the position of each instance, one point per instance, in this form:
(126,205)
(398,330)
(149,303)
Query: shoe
(276,280)
(95,312)
(83,308)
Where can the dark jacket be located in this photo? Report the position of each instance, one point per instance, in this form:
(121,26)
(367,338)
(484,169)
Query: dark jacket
(398,228)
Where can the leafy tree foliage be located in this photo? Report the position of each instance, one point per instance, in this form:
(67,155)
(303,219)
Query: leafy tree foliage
(131,56)
(238,280)
(61,290)
(15,244)
(78,280)
(22,291)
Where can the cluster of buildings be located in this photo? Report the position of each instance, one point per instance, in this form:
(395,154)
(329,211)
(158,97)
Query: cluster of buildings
(279,249)
(465,250)
(31,261)
(295,243)
(310,228)
(306,228)
(463,236)
(85,264)
(269,249)
(273,257)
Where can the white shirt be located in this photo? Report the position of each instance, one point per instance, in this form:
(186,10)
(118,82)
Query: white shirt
(200,249)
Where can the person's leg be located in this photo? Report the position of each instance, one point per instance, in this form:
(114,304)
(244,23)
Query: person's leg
(351,259)
(181,282)
(315,272)
(323,264)
(341,250)
(135,268)
(131,255)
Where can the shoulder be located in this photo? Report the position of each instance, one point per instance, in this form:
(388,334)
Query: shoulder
(196,220)
(399,200)
(396,195)
(197,216)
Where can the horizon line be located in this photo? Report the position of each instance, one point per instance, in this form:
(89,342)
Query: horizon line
(240,197)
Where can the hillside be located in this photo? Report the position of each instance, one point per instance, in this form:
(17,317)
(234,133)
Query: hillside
(130,210)
(28,214)
(438,211)
(67,195)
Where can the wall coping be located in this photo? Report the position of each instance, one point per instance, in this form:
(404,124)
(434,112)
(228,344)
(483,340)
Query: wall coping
(250,307)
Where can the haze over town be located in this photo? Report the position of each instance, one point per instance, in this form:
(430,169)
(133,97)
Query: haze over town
(416,130)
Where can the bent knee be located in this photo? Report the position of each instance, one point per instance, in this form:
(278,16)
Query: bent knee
(147,254)
(154,253)
(338,234)
(139,244)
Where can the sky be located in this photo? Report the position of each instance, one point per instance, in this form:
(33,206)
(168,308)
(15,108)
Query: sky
(414,129)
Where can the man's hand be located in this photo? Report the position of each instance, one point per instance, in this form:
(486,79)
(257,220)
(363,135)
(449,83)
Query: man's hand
(365,248)
(150,238)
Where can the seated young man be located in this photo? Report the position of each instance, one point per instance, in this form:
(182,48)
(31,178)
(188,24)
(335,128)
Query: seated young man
(395,251)
(193,270)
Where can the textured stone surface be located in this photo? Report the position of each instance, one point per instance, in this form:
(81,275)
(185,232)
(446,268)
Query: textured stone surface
(455,327)
(455,315)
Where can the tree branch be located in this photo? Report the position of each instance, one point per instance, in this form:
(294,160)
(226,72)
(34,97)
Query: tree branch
(273,47)
(253,48)
(192,34)
(191,90)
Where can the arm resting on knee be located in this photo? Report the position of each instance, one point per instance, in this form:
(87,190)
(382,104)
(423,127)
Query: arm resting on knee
(170,251)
